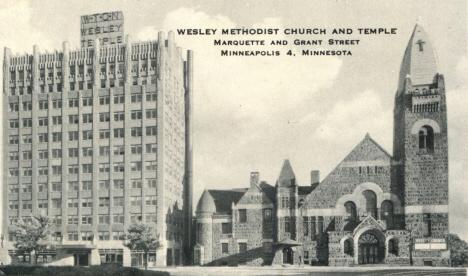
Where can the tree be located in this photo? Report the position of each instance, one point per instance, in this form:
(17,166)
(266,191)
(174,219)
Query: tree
(142,237)
(458,250)
(31,237)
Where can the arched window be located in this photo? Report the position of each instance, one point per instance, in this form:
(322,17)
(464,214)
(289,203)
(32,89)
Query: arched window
(351,211)
(426,139)
(348,247)
(393,246)
(371,203)
(386,213)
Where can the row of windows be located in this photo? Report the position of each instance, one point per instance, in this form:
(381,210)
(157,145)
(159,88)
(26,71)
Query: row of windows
(86,135)
(85,202)
(86,152)
(87,118)
(267,215)
(135,166)
(87,219)
(86,101)
(118,184)
(51,88)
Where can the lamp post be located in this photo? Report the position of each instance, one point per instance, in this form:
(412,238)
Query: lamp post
(411,247)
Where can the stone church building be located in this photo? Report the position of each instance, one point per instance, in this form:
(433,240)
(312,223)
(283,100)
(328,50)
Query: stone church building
(373,208)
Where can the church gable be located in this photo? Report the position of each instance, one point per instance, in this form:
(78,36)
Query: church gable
(367,162)
(367,150)
(368,222)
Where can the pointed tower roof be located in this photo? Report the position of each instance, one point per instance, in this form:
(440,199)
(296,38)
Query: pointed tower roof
(206,203)
(420,60)
(287,177)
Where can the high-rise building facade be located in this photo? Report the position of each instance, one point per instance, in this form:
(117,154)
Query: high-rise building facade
(95,138)
(373,208)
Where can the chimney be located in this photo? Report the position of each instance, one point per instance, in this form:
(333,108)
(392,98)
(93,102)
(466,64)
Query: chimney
(314,178)
(254,178)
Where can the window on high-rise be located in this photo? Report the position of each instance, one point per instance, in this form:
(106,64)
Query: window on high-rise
(27,106)
(119,99)
(14,107)
(104,184)
(135,183)
(56,137)
(73,136)
(135,200)
(151,131)
(87,152)
(43,105)
(119,184)
(151,165)
(73,152)
(151,183)
(14,123)
(87,118)
(73,119)
(119,116)
(104,151)
(151,148)
(73,103)
(104,167)
(104,134)
(151,96)
(104,202)
(118,201)
(104,100)
(57,104)
(135,166)
(136,114)
(119,167)
(136,97)
(151,114)
(119,133)
(88,101)
(136,132)
(87,134)
(104,117)
(135,149)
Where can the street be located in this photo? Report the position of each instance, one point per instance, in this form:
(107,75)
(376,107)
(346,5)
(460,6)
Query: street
(312,271)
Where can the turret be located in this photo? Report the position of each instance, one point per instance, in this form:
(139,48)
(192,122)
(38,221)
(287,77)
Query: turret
(205,210)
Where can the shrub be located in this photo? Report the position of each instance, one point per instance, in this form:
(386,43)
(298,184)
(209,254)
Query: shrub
(98,270)
(18,270)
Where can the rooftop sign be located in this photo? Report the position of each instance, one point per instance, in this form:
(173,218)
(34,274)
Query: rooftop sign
(108,27)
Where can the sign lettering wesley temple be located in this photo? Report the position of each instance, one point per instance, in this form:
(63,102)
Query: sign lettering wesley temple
(108,27)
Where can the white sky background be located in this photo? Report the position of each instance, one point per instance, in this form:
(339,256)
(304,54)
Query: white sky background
(251,113)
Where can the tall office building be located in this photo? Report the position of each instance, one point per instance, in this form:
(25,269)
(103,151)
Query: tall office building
(95,138)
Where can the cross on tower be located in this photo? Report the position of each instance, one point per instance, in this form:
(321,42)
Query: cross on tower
(421,44)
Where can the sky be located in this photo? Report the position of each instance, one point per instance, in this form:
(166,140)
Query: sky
(252,113)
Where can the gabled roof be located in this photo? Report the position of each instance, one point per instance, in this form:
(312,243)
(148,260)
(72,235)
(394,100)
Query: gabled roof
(368,149)
(223,199)
(419,61)
(305,190)
(269,190)
(369,221)
(286,177)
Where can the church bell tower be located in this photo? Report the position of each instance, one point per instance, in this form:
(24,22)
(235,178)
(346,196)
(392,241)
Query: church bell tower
(420,139)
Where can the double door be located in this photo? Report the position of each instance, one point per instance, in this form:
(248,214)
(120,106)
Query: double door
(369,254)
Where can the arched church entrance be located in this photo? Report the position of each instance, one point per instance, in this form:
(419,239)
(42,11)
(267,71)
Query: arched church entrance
(369,249)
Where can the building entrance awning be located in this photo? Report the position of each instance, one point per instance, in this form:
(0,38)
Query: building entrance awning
(289,243)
